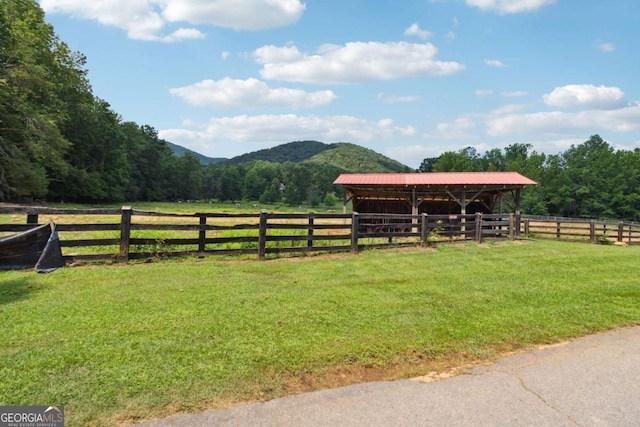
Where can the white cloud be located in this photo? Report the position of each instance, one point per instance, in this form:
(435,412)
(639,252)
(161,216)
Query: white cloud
(577,96)
(394,99)
(625,119)
(221,137)
(273,54)
(483,92)
(510,6)
(514,94)
(508,109)
(183,34)
(248,94)
(451,35)
(250,15)
(461,128)
(146,19)
(415,30)
(352,63)
(605,47)
(138,18)
(494,63)
(225,56)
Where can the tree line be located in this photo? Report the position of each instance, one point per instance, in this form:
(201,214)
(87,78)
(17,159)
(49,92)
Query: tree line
(588,180)
(60,142)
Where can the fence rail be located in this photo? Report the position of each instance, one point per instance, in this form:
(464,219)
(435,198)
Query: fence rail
(580,229)
(129,234)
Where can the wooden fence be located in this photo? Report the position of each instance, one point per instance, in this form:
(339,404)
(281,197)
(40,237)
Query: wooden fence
(128,234)
(580,230)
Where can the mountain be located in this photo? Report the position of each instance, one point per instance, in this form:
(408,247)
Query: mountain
(345,156)
(180,151)
(296,152)
(356,159)
(350,158)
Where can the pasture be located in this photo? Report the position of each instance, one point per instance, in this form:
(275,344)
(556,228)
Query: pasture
(120,344)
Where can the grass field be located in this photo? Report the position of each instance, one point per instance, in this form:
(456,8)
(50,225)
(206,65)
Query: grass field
(120,344)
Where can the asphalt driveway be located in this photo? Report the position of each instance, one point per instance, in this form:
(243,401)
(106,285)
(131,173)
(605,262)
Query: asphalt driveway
(591,381)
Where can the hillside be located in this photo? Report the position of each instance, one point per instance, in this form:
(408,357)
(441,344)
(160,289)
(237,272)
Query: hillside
(356,159)
(296,152)
(344,156)
(180,151)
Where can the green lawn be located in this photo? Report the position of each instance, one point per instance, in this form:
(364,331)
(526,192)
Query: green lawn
(118,344)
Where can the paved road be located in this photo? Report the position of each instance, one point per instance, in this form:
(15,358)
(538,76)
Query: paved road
(592,381)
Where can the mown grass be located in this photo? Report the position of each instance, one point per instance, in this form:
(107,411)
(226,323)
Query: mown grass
(118,344)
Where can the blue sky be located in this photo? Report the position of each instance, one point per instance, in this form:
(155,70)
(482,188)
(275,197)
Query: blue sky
(410,79)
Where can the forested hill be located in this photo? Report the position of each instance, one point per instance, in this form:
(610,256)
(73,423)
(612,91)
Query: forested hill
(356,159)
(179,151)
(344,156)
(296,152)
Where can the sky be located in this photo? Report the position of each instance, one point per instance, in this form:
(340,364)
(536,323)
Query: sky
(410,79)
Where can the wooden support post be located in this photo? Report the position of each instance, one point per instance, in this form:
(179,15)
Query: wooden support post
(310,232)
(558,230)
(517,225)
(355,225)
(423,229)
(478,236)
(32,218)
(463,212)
(592,231)
(526,228)
(511,227)
(262,236)
(620,230)
(125,233)
(202,235)
(414,212)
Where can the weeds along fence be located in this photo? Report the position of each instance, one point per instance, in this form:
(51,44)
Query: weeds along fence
(125,234)
(580,230)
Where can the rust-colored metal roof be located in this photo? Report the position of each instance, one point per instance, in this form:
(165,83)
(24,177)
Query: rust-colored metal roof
(435,178)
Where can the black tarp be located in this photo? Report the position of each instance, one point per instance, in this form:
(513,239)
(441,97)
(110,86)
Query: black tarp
(38,248)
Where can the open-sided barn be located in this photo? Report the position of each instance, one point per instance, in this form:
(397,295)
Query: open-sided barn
(433,192)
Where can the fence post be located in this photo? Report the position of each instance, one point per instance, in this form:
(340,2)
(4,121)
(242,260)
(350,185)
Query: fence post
(125,233)
(517,225)
(262,236)
(592,231)
(423,229)
(478,236)
(511,227)
(32,218)
(355,225)
(202,235)
(558,230)
(526,228)
(620,230)
(310,232)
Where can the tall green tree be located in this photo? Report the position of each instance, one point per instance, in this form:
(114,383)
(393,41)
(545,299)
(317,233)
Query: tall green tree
(230,184)
(152,165)
(189,178)
(464,160)
(98,169)
(32,75)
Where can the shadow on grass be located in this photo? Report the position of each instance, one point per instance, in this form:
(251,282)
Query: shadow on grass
(15,290)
